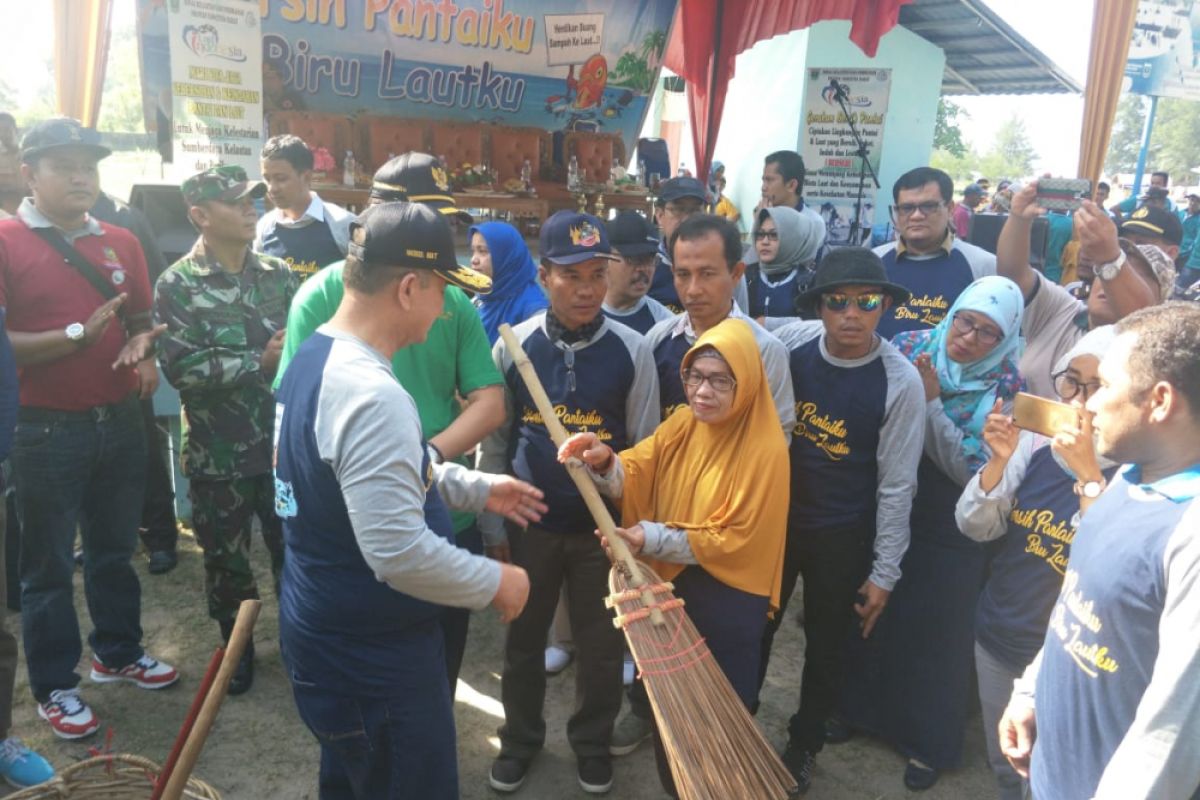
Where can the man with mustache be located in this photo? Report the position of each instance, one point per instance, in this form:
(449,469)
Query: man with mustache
(632,239)
(304,230)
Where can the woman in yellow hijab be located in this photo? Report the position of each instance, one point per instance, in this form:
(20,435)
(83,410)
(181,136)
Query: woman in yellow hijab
(704,499)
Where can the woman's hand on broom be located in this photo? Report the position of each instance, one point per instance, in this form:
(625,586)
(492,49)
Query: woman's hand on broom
(516,500)
(635,537)
(588,448)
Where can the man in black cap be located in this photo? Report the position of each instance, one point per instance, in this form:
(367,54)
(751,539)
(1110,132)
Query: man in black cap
(78,303)
(1156,226)
(454,360)
(370,559)
(678,199)
(632,238)
(226,311)
(859,435)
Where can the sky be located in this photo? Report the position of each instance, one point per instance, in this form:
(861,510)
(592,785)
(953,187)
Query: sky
(1059,28)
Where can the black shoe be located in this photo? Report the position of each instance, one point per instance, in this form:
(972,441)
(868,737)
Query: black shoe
(243,676)
(919,777)
(800,763)
(837,732)
(595,774)
(162,561)
(508,773)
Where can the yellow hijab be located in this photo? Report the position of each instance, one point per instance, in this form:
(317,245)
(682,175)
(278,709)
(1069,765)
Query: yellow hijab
(725,484)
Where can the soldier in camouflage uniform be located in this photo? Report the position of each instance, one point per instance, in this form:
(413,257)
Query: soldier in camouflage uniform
(226,311)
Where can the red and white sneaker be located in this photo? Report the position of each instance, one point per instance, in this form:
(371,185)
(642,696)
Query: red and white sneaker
(146,672)
(68,715)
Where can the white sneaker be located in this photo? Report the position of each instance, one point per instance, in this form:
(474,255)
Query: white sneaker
(146,673)
(68,715)
(557,659)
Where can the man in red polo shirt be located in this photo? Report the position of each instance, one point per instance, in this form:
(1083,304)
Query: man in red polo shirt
(79,458)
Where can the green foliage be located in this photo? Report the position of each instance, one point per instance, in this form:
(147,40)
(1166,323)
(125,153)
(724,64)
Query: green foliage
(121,104)
(946,134)
(1126,137)
(1174,144)
(962,168)
(1011,155)
(633,68)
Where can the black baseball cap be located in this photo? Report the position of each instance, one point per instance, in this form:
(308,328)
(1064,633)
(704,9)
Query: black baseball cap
(677,188)
(417,178)
(851,266)
(1148,221)
(631,234)
(415,236)
(569,237)
(59,133)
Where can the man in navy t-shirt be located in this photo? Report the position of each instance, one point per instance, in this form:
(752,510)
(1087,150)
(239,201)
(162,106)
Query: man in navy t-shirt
(370,558)
(927,259)
(1113,698)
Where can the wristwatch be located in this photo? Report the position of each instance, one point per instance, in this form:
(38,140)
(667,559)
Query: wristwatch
(75,332)
(1110,269)
(1090,489)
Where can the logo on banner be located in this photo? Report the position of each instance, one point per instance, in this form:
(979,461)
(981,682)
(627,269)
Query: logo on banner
(205,41)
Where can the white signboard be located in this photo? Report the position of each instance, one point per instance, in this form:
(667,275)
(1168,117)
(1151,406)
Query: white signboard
(573,38)
(830,151)
(216,83)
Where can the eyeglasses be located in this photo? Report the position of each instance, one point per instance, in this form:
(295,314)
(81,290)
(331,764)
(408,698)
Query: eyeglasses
(840,302)
(904,210)
(770,236)
(719,383)
(1068,388)
(984,335)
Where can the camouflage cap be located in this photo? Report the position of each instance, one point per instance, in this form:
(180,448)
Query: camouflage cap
(226,183)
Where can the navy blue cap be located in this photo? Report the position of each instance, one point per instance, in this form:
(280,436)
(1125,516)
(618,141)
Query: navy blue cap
(569,237)
(60,133)
(676,188)
(631,234)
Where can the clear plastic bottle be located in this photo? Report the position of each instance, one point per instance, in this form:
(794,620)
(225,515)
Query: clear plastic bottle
(643,176)
(348,169)
(527,176)
(573,174)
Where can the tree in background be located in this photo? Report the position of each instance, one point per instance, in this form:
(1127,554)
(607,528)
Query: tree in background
(1012,155)
(1126,137)
(121,107)
(947,135)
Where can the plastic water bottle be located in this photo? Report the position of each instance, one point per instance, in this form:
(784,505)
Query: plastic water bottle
(643,176)
(348,167)
(573,174)
(527,175)
(683,172)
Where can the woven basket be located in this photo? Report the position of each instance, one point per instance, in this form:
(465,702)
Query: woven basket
(111,777)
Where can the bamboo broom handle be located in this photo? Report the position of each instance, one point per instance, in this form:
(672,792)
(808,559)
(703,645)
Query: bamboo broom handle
(243,628)
(576,469)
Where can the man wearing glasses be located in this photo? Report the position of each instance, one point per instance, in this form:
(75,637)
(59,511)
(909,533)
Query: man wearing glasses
(1055,319)
(858,439)
(927,259)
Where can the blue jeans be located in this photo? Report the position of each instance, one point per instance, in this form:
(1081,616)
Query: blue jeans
(82,471)
(387,747)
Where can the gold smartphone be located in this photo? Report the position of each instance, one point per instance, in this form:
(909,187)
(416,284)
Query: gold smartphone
(1047,417)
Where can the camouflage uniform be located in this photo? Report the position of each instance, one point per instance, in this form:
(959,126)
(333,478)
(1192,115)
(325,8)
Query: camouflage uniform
(218,325)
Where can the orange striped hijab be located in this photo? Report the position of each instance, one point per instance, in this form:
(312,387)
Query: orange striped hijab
(725,484)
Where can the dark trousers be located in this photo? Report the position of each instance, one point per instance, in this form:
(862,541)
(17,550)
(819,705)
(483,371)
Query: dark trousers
(158,529)
(8,645)
(387,747)
(552,559)
(834,562)
(82,472)
(223,515)
(456,622)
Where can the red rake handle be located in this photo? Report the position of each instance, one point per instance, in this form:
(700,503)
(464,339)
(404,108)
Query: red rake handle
(210,675)
(576,469)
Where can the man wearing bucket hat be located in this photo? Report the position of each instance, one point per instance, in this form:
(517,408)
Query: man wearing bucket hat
(632,238)
(454,360)
(79,453)
(602,374)
(370,559)
(860,409)
(225,308)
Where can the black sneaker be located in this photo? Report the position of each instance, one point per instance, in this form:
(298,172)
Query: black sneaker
(918,776)
(243,676)
(800,763)
(162,561)
(595,774)
(508,773)
(837,732)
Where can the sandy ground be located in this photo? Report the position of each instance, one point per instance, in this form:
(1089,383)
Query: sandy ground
(260,749)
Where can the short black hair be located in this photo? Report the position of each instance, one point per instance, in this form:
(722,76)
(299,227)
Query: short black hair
(291,149)
(916,178)
(1166,176)
(790,166)
(1168,349)
(1104,185)
(701,225)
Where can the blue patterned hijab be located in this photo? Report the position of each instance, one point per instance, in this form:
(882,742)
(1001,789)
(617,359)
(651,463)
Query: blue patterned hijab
(970,390)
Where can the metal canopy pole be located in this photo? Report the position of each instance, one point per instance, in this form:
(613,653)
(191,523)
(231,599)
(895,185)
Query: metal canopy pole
(1146,131)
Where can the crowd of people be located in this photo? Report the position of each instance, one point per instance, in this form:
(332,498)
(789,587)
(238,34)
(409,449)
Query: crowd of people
(856,421)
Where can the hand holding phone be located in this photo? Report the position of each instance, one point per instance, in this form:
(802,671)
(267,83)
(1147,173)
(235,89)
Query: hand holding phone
(1047,417)
(1063,194)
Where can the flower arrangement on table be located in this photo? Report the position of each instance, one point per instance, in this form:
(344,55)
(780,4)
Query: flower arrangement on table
(323,164)
(472,178)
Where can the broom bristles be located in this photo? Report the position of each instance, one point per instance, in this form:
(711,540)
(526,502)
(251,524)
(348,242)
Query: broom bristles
(714,747)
